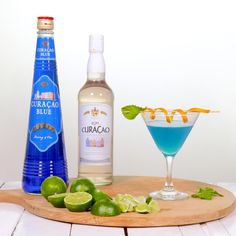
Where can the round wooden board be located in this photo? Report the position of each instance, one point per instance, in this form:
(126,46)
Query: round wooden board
(189,211)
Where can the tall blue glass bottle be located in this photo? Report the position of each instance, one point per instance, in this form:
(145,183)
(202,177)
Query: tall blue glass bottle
(45,151)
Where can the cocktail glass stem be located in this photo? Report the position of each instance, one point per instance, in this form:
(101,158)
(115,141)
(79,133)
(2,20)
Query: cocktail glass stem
(169,192)
(169,165)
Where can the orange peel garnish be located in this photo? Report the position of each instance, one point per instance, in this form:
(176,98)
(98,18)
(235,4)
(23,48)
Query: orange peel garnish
(161,109)
(201,110)
(182,113)
(169,118)
(152,113)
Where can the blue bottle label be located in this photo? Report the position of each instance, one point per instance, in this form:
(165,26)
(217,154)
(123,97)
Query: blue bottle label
(45,49)
(45,114)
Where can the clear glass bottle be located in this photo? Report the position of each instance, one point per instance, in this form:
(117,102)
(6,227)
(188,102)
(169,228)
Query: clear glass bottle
(96,119)
(45,151)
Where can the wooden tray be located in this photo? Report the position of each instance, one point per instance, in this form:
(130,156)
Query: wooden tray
(189,211)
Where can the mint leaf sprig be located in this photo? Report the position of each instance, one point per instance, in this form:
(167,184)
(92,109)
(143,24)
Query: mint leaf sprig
(131,111)
(206,193)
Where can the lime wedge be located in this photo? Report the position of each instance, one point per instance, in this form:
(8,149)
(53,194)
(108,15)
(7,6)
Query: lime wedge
(128,196)
(142,208)
(119,197)
(105,208)
(124,207)
(140,199)
(99,195)
(57,200)
(153,206)
(79,201)
(140,204)
(148,199)
(131,207)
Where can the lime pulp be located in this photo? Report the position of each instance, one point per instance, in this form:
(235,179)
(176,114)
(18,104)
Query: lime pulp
(79,201)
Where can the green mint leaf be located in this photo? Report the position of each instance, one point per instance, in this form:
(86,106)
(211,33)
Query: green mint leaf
(206,193)
(131,111)
(218,194)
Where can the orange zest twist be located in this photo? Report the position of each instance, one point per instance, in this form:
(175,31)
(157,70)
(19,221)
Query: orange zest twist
(170,117)
(182,113)
(201,110)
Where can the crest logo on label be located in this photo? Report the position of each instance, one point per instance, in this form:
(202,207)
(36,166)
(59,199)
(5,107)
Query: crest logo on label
(95,112)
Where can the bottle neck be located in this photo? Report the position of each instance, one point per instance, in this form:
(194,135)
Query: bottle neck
(96,67)
(48,33)
(45,50)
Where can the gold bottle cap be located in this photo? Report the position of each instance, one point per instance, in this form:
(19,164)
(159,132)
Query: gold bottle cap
(45,23)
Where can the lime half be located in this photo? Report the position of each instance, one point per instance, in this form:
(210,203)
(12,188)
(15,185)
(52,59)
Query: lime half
(57,200)
(80,201)
(105,208)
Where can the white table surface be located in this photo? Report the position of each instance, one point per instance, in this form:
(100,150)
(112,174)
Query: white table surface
(15,220)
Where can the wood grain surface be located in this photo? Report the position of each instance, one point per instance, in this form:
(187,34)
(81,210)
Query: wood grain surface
(189,211)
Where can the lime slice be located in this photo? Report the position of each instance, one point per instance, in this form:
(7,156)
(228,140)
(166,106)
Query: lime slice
(82,185)
(105,208)
(57,200)
(130,199)
(125,198)
(153,206)
(124,207)
(99,195)
(142,208)
(131,207)
(141,204)
(119,197)
(80,201)
(127,202)
(140,199)
(52,185)
(128,196)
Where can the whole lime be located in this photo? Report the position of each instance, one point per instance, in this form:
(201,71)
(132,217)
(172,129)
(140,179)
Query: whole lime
(105,208)
(52,185)
(82,185)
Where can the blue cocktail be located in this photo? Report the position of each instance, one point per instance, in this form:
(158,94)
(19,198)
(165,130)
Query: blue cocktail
(169,136)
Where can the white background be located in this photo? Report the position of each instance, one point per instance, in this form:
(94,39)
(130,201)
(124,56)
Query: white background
(158,53)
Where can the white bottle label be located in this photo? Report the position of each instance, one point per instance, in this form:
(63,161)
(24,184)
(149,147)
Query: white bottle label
(95,133)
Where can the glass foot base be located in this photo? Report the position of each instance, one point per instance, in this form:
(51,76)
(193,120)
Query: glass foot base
(168,195)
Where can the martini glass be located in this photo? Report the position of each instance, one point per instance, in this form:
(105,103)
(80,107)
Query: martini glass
(169,138)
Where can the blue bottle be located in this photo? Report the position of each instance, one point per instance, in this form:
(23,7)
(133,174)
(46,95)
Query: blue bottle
(45,151)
